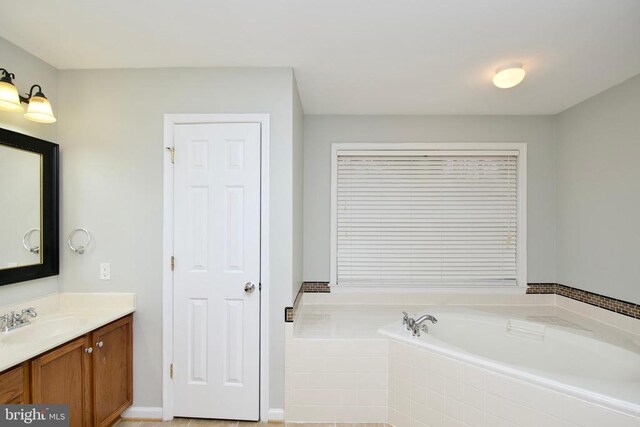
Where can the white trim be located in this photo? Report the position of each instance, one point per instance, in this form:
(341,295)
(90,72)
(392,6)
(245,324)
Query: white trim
(143,413)
(521,244)
(383,148)
(167,277)
(430,152)
(275,415)
(333,250)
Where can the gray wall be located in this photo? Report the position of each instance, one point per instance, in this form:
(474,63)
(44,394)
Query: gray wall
(536,131)
(599,193)
(111,122)
(29,70)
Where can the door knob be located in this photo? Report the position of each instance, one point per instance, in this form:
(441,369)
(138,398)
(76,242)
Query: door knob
(249,287)
(88,350)
(99,344)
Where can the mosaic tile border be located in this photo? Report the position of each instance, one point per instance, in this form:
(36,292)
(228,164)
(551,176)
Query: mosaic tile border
(306,287)
(316,287)
(288,314)
(612,304)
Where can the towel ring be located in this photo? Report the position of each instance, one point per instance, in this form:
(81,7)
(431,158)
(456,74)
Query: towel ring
(26,241)
(81,248)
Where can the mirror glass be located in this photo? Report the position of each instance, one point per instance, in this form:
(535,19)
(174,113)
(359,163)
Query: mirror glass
(20,207)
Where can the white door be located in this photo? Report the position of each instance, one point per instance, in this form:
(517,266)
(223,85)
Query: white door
(216,312)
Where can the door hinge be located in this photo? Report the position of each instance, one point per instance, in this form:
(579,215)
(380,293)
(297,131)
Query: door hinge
(171,371)
(172,262)
(172,153)
(259,286)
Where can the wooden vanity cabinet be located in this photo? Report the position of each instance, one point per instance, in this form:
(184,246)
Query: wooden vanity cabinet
(93,374)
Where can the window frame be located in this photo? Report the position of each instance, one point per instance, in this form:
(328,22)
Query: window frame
(491,148)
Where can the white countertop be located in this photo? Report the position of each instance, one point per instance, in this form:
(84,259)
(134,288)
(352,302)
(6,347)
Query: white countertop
(61,318)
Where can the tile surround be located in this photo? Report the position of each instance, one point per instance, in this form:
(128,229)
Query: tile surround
(427,389)
(326,358)
(341,379)
(380,381)
(290,312)
(336,381)
(618,306)
(306,287)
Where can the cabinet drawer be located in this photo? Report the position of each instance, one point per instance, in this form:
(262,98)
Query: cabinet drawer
(12,386)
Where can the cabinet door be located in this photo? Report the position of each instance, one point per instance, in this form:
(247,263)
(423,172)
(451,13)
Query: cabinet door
(14,385)
(63,376)
(112,370)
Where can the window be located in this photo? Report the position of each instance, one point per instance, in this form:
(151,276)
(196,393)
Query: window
(428,215)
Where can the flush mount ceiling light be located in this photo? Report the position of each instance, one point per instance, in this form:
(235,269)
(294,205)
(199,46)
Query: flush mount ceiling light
(39,109)
(509,75)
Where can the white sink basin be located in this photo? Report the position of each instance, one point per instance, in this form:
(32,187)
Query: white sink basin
(41,329)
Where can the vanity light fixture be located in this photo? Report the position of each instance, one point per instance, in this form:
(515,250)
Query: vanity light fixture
(509,75)
(39,109)
(9,97)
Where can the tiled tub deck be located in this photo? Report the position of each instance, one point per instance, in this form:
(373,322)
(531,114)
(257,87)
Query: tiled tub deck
(339,369)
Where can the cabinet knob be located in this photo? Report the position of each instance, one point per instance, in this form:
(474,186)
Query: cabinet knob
(88,350)
(100,344)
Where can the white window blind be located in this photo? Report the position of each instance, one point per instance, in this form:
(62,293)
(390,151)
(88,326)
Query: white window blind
(418,219)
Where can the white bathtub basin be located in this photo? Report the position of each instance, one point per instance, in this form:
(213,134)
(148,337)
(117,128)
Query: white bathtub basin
(542,349)
(555,351)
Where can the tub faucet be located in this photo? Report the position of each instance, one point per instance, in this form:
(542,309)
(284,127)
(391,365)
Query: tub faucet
(416,325)
(429,317)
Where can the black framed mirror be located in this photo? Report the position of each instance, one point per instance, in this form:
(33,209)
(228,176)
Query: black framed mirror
(29,202)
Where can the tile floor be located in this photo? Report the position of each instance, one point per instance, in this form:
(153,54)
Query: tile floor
(186,422)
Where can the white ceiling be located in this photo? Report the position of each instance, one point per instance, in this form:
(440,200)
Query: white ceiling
(355,56)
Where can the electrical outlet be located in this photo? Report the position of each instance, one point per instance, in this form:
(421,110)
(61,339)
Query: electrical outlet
(105,271)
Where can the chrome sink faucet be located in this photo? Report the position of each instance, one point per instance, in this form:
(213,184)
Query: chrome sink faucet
(12,321)
(416,325)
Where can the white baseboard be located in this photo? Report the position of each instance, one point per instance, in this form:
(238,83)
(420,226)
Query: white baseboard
(275,415)
(143,413)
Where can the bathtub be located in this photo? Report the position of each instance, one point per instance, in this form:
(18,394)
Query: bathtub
(597,364)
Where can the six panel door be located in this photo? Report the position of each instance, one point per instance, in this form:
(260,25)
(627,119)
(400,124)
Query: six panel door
(217,257)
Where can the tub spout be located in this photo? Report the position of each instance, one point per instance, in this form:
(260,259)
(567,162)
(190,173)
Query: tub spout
(415,325)
(429,317)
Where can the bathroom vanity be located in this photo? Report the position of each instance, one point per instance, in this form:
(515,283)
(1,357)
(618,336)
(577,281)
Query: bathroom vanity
(67,348)
(78,351)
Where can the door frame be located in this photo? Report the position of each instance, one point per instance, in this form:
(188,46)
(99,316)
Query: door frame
(170,120)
